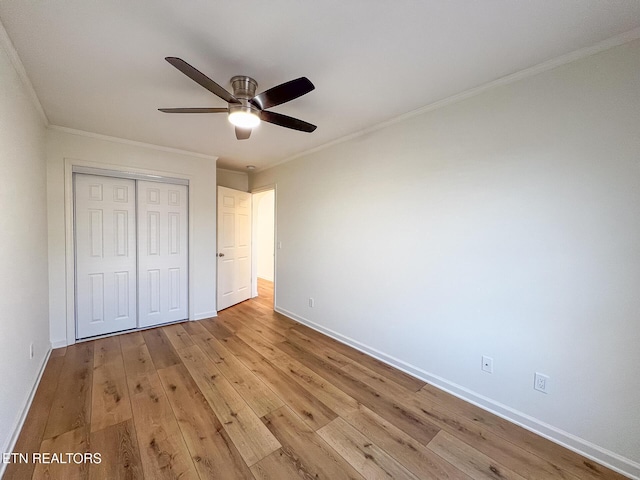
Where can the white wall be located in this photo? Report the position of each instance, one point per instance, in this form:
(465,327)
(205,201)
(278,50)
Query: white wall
(113,154)
(233,179)
(507,224)
(23,247)
(263,212)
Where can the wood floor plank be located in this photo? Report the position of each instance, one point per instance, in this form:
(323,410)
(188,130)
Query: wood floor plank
(118,448)
(515,458)
(515,434)
(315,413)
(259,343)
(136,357)
(566,463)
(250,324)
(248,435)
(229,321)
(72,441)
(216,328)
(71,408)
(32,431)
(110,396)
(265,304)
(469,460)
(215,455)
(160,349)
(399,377)
(252,439)
(163,451)
(249,309)
(278,466)
(326,353)
(386,406)
(362,454)
(265,285)
(376,380)
(244,395)
(472,432)
(106,350)
(416,457)
(131,340)
(310,453)
(59,352)
(325,391)
(178,336)
(241,318)
(254,391)
(276,321)
(222,397)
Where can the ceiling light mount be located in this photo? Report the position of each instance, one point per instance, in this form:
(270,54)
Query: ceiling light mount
(244,87)
(244,114)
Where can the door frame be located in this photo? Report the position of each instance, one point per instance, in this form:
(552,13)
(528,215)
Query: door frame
(254,244)
(72,166)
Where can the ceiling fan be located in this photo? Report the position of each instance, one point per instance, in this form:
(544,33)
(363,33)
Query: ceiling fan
(246,109)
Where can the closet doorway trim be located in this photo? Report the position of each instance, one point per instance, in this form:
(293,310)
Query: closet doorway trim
(130,175)
(72,165)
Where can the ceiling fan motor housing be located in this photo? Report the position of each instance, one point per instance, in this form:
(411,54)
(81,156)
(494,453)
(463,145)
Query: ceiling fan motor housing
(244,89)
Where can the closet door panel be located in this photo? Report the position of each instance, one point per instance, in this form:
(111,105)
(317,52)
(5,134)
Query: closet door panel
(162,253)
(105,233)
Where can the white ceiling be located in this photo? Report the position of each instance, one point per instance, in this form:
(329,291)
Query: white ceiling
(99,66)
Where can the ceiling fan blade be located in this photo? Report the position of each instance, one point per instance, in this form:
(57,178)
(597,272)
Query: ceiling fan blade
(199,77)
(288,122)
(283,93)
(242,133)
(194,110)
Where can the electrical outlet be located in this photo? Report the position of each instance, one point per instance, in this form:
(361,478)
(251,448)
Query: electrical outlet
(541,382)
(311,302)
(279,245)
(487,364)
(31,351)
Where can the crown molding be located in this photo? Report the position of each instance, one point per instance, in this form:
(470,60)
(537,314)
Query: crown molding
(599,47)
(99,136)
(14,58)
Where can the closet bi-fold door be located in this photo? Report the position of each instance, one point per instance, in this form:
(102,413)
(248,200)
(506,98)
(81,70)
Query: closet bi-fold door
(105,233)
(162,253)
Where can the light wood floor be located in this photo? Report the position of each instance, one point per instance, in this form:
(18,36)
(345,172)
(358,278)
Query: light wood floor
(252,394)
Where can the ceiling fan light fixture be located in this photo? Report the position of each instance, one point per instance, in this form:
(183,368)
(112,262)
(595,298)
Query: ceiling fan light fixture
(245,109)
(243,117)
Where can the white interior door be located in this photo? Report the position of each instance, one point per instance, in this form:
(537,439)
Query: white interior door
(105,232)
(162,253)
(234,247)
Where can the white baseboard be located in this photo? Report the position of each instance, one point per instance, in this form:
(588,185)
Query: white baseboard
(19,423)
(203,315)
(601,455)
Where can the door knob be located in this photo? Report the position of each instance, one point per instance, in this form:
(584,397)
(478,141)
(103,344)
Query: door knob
(221,254)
